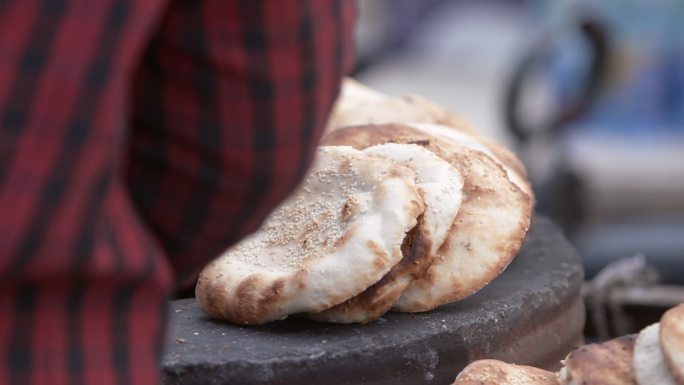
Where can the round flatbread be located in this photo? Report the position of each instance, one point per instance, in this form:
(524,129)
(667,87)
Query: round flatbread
(339,233)
(487,232)
(649,363)
(608,363)
(359,104)
(672,340)
(494,372)
(514,168)
(440,186)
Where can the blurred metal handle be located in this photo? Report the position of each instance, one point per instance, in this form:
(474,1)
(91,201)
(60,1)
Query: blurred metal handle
(597,39)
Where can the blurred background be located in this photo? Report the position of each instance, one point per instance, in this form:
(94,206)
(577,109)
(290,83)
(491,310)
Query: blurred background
(591,97)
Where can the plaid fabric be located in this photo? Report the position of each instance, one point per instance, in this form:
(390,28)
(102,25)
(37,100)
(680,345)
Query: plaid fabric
(139,139)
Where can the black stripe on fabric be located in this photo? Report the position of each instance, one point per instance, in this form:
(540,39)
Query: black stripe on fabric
(123,298)
(75,139)
(208,131)
(307,58)
(83,249)
(117,250)
(27,79)
(75,356)
(121,302)
(120,333)
(20,347)
(148,126)
(84,244)
(255,43)
(97,78)
(147,158)
(53,7)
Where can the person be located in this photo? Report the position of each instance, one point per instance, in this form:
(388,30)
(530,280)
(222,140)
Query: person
(138,140)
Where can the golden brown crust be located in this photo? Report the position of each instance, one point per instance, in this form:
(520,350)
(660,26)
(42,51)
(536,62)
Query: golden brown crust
(505,155)
(608,363)
(514,169)
(440,186)
(337,235)
(494,372)
(367,135)
(672,340)
(249,303)
(472,229)
(487,232)
(360,105)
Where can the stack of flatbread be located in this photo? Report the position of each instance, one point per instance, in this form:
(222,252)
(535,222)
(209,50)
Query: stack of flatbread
(655,356)
(406,208)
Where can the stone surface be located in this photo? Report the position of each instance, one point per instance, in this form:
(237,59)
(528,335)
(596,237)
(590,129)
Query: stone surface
(532,314)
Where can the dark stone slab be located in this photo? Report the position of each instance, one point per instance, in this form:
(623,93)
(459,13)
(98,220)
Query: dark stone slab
(532,314)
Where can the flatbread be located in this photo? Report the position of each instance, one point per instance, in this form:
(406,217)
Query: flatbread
(514,168)
(494,372)
(339,233)
(487,232)
(608,363)
(441,186)
(672,340)
(649,363)
(359,104)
